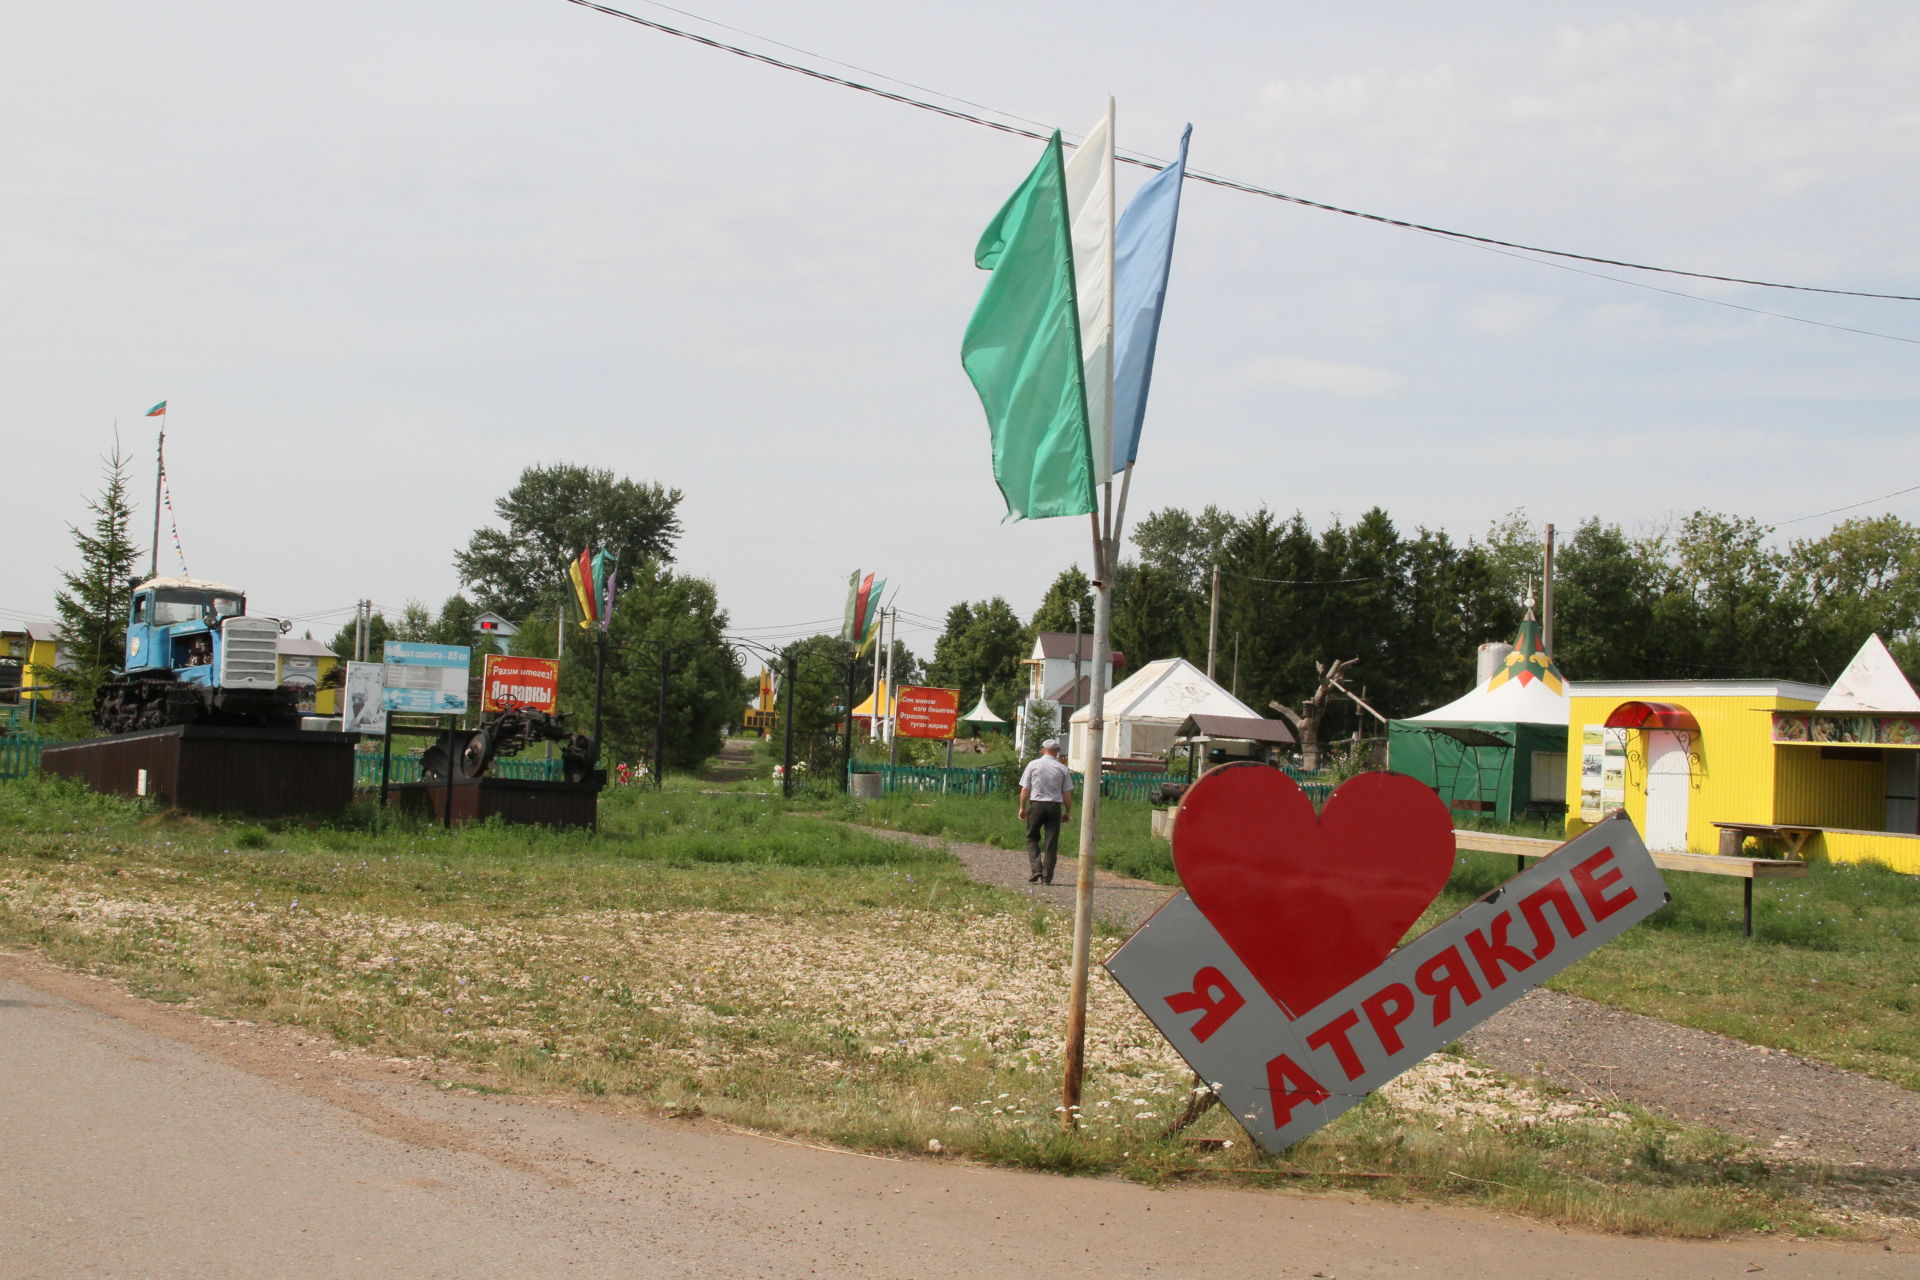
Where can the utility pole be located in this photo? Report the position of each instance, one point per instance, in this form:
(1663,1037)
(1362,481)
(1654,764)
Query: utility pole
(1546,597)
(660,721)
(1077,627)
(791,700)
(1213,623)
(893,694)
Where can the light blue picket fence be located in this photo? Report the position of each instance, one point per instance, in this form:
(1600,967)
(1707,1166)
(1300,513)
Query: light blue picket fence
(1113,786)
(19,754)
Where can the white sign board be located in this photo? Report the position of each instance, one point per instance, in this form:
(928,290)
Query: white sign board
(361,700)
(1284,1078)
(426,679)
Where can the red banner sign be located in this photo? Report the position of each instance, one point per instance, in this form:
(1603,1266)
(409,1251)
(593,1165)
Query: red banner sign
(926,713)
(520,682)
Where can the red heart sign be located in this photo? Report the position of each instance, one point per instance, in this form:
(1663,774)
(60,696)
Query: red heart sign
(1309,903)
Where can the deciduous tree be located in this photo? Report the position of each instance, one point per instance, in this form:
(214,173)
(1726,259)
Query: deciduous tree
(547,517)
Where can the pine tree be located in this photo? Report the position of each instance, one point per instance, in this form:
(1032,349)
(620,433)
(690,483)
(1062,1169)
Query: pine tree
(93,607)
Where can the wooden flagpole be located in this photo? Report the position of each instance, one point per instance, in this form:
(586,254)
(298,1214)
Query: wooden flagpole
(1104,531)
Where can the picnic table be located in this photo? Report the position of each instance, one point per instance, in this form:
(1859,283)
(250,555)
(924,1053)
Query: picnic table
(1733,835)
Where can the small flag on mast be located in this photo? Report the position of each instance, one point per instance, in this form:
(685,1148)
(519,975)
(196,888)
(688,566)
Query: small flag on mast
(158,411)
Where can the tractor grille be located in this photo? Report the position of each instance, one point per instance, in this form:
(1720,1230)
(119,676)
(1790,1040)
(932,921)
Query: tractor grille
(249,654)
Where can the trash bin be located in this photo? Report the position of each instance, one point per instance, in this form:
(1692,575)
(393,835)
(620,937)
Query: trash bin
(864,786)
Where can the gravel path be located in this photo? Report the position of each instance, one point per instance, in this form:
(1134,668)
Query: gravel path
(1791,1105)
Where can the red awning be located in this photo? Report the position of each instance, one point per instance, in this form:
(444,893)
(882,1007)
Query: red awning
(1652,715)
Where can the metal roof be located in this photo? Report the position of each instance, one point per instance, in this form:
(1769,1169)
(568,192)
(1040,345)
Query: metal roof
(1237,728)
(189,584)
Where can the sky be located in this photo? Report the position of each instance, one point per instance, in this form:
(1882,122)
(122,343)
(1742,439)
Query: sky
(378,257)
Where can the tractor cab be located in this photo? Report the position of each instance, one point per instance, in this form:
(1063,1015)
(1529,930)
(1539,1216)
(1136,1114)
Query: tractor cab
(174,626)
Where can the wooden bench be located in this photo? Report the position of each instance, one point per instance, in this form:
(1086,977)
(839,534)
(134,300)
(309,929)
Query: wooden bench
(1733,835)
(1713,864)
(1132,764)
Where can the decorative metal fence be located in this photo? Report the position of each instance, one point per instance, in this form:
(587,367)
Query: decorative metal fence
(1118,785)
(19,754)
(918,778)
(406,768)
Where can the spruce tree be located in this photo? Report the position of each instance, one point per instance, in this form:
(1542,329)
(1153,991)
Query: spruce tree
(93,607)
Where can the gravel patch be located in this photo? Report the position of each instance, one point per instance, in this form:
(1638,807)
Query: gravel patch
(1788,1106)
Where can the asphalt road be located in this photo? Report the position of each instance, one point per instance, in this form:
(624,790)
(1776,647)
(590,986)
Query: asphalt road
(141,1140)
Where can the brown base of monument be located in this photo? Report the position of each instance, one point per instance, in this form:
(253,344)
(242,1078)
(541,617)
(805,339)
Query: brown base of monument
(268,773)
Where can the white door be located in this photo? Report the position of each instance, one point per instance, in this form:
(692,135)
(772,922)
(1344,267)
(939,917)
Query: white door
(1668,783)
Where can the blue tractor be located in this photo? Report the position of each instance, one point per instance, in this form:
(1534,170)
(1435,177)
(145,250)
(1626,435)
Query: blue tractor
(195,657)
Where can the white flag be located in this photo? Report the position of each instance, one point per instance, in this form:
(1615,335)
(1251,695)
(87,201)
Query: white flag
(1090,206)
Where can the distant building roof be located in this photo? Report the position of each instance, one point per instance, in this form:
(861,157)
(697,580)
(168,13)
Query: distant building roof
(1059,644)
(43,632)
(302,647)
(1237,728)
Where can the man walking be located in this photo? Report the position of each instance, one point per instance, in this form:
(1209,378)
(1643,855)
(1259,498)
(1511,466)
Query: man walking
(1046,800)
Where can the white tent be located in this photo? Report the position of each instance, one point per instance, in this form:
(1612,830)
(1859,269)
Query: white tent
(1144,712)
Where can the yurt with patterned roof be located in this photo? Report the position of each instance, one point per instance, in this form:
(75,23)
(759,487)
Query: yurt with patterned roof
(1501,750)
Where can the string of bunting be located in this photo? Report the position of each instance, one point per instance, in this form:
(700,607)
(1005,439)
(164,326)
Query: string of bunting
(166,493)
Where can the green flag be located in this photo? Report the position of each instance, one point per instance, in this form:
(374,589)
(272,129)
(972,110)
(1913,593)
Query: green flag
(1022,351)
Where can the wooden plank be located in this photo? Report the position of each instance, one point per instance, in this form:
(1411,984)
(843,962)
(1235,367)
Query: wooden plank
(1713,864)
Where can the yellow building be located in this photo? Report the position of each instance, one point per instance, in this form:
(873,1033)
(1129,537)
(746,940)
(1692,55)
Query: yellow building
(304,663)
(1704,765)
(41,654)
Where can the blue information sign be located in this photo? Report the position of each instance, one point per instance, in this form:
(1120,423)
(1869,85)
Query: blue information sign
(428,679)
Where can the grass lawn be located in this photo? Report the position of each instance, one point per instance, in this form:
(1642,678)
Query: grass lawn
(723,954)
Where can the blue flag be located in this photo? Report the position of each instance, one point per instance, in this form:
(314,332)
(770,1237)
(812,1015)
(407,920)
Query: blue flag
(1142,255)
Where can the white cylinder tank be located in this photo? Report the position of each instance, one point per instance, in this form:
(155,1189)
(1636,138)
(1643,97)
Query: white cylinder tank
(1492,655)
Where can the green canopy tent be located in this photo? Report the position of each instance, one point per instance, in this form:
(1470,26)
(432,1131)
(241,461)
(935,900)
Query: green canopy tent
(1499,750)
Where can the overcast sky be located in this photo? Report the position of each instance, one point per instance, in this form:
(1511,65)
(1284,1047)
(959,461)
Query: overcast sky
(380,256)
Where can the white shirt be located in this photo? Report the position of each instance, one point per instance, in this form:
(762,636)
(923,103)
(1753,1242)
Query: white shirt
(1045,778)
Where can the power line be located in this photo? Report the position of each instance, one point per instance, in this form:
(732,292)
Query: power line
(1846,507)
(1304,582)
(1691,297)
(1197,175)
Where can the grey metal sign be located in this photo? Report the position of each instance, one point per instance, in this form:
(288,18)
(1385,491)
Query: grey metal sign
(1284,1078)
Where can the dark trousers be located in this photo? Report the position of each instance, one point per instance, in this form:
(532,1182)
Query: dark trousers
(1043,822)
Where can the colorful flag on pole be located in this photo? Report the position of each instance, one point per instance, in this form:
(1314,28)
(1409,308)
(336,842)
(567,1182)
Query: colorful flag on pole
(856,606)
(869,627)
(1143,255)
(1090,206)
(580,573)
(863,610)
(158,411)
(1022,351)
(604,565)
